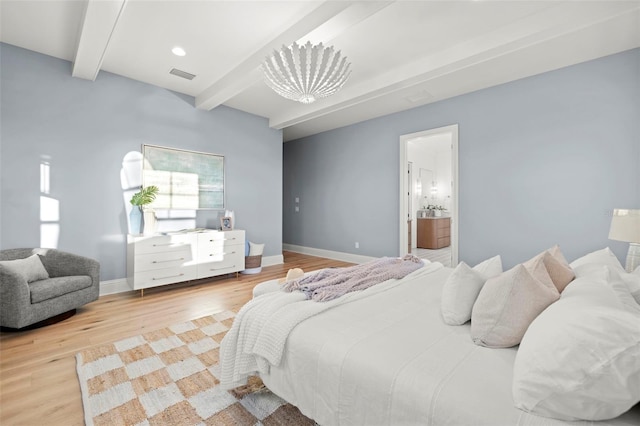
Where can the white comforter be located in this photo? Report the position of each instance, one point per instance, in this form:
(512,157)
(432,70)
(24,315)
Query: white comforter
(257,338)
(389,359)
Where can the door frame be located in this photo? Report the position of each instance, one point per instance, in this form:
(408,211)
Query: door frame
(405,191)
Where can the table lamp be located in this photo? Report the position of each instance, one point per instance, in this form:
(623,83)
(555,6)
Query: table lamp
(625,226)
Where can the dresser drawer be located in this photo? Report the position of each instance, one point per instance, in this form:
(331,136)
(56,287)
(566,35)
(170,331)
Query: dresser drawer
(218,239)
(163,260)
(220,264)
(444,222)
(443,232)
(216,254)
(157,277)
(164,243)
(233,238)
(444,242)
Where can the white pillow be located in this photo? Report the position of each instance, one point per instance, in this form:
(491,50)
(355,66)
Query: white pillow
(626,286)
(579,358)
(461,289)
(591,270)
(600,257)
(633,284)
(30,268)
(490,267)
(614,278)
(255,249)
(508,303)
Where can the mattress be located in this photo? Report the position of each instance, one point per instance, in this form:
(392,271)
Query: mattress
(389,359)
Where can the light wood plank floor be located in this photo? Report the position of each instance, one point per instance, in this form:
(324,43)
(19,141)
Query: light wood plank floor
(38,381)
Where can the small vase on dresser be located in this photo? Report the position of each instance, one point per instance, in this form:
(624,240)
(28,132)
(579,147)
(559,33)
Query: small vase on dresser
(136,220)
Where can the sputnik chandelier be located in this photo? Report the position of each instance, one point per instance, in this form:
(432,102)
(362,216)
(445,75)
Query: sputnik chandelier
(306,73)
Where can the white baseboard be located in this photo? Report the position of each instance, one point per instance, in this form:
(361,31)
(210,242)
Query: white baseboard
(335,255)
(114,286)
(272,260)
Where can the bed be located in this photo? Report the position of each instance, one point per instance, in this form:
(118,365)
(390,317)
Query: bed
(385,357)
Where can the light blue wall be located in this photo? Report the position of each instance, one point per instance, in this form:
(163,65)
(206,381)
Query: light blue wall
(86,128)
(543,160)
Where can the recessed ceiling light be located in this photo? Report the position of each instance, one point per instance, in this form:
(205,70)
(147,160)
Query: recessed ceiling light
(178,51)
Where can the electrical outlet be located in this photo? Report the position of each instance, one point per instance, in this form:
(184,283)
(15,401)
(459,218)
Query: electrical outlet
(297,209)
(357,244)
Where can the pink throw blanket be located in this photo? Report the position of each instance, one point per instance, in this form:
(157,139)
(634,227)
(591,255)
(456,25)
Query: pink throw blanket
(331,283)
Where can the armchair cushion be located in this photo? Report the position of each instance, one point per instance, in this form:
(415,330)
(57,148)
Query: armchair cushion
(30,268)
(54,287)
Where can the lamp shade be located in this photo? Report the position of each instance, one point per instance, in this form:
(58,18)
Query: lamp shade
(306,73)
(625,225)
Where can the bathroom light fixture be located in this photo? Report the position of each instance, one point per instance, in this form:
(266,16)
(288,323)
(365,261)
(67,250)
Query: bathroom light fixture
(306,73)
(625,226)
(178,51)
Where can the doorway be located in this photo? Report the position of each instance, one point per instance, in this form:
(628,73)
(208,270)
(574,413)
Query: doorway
(429,194)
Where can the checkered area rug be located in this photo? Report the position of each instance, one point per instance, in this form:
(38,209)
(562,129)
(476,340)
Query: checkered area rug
(170,377)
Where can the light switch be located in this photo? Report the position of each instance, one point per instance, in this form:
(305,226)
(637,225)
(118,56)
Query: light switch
(297,199)
(297,209)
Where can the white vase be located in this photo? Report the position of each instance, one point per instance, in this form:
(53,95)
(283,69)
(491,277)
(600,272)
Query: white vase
(150,222)
(436,213)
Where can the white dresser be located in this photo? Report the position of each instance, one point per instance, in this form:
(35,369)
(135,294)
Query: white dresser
(165,259)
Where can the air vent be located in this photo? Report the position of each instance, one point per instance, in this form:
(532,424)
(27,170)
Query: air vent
(182,74)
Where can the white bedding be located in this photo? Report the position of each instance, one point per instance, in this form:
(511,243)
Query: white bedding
(257,338)
(389,359)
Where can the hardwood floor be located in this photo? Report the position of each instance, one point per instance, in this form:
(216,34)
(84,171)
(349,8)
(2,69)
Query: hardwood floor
(38,381)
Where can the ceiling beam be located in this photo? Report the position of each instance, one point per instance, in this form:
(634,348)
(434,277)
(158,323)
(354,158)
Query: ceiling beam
(99,22)
(322,24)
(344,20)
(502,41)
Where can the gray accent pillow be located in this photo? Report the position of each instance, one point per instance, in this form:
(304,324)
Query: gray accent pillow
(30,268)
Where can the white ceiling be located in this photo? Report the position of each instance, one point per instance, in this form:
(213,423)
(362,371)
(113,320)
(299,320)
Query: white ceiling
(403,53)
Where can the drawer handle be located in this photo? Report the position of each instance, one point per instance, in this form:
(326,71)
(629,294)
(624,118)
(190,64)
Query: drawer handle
(164,278)
(224,254)
(168,244)
(219,269)
(165,261)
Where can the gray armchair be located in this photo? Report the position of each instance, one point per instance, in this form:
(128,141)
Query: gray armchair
(73,281)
